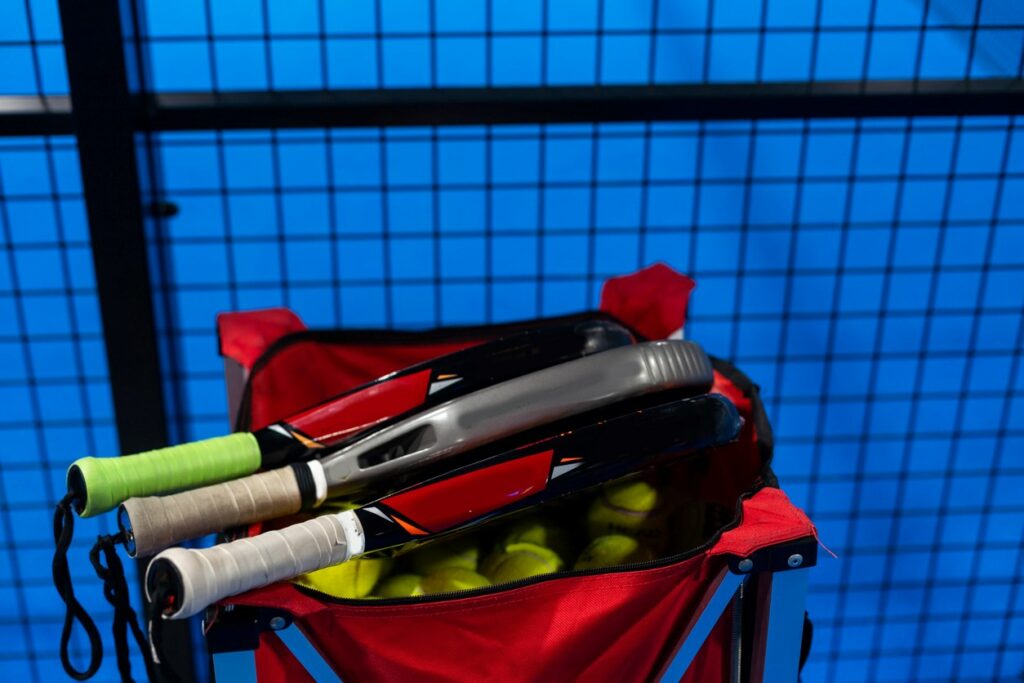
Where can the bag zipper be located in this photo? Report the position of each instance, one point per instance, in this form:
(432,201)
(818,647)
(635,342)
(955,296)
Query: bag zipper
(512,585)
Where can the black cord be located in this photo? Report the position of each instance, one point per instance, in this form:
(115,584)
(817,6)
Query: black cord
(154,612)
(63,530)
(115,590)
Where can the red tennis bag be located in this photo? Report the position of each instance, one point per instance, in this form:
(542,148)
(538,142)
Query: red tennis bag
(611,625)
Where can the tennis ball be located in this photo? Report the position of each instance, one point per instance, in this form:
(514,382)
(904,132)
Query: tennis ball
(352,579)
(533,530)
(459,553)
(611,551)
(629,508)
(451,579)
(401,586)
(336,505)
(520,561)
(621,508)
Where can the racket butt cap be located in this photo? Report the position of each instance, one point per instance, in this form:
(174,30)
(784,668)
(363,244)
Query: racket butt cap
(76,486)
(124,525)
(164,584)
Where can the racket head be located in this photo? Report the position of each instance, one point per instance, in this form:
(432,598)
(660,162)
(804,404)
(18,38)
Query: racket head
(563,393)
(359,412)
(505,480)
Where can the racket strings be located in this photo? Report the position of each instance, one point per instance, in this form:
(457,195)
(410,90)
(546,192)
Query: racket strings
(115,590)
(63,531)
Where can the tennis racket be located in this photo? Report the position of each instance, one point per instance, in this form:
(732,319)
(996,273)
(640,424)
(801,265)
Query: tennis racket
(100,484)
(184,581)
(396,455)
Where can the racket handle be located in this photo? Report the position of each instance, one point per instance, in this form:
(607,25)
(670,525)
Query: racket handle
(157,522)
(195,579)
(101,484)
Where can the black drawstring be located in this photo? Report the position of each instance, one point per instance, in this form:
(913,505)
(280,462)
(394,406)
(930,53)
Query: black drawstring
(115,590)
(63,530)
(154,614)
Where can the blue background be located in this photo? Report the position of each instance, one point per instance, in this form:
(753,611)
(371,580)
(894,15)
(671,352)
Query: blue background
(869,274)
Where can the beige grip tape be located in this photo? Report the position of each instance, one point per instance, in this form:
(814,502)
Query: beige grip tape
(158,522)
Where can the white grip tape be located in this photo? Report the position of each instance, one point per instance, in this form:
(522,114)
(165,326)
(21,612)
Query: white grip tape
(158,522)
(319,480)
(215,573)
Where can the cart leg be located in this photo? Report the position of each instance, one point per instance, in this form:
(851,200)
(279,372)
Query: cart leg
(695,636)
(785,627)
(240,666)
(307,655)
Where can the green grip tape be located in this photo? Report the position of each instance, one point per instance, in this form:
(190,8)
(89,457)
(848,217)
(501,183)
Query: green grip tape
(105,483)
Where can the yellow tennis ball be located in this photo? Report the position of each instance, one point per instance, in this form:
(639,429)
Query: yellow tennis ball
(533,530)
(631,508)
(401,586)
(621,508)
(352,579)
(520,561)
(459,553)
(336,505)
(452,579)
(611,551)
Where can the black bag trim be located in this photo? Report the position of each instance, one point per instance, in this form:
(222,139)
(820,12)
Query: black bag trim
(765,436)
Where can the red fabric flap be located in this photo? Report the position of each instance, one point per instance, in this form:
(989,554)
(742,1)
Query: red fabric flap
(653,300)
(245,335)
(769,518)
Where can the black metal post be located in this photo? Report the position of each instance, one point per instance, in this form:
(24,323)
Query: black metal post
(102,114)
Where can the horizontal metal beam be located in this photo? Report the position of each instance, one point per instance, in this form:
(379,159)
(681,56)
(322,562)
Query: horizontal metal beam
(456,106)
(35,115)
(32,115)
